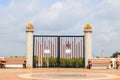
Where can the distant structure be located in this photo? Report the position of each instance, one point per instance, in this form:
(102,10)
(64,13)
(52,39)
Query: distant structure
(102,54)
(88,42)
(29,45)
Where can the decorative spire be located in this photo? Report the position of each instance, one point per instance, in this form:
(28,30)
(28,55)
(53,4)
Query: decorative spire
(88,26)
(30,26)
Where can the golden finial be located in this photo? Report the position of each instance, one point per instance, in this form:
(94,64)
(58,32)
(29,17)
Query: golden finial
(87,26)
(30,26)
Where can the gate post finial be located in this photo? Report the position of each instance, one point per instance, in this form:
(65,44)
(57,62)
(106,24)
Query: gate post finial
(29,45)
(88,27)
(88,42)
(30,27)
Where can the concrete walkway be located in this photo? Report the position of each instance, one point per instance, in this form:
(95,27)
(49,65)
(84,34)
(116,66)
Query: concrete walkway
(59,74)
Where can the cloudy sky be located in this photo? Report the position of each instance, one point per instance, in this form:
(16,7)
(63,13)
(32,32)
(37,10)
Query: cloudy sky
(59,17)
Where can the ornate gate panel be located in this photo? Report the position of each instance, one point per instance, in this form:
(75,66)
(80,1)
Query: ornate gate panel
(58,51)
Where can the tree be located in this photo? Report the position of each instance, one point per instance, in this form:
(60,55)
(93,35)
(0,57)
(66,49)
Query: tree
(97,57)
(115,55)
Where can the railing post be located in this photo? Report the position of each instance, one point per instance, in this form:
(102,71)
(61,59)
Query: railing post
(58,57)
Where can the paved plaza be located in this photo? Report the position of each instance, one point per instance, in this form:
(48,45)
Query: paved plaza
(59,74)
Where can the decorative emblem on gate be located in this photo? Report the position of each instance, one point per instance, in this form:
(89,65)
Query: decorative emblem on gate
(68,45)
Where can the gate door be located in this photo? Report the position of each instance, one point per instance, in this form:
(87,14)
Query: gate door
(58,51)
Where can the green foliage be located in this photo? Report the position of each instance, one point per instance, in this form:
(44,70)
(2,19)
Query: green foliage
(35,60)
(71,62)
(115,55)
(52,62)
(44,62)
(64,62)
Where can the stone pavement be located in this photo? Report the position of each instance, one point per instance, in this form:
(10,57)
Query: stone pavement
(59,74)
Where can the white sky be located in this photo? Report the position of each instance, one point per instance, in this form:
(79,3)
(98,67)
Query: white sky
(59,17)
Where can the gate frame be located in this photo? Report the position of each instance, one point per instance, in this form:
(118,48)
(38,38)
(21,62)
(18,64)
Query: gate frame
(58,47)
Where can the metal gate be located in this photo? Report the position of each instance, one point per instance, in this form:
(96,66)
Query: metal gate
(58,51)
